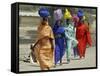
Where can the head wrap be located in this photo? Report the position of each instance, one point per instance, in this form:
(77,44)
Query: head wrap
(58,14)
(80,13)
(67,14)
(75,18)
(43,12)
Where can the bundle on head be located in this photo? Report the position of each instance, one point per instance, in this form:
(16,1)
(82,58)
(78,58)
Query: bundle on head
(43,12)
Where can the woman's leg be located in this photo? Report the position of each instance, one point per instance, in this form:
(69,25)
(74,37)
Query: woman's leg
(68,50)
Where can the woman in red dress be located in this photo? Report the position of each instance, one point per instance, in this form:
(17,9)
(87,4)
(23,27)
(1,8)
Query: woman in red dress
(82,35)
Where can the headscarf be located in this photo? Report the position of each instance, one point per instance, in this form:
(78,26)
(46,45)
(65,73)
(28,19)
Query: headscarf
(43,12)
(67,14)
(75,18)
(58,14)
(80,13)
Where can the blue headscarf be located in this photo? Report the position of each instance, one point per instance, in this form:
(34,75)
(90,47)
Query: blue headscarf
(80,13)
(43,12)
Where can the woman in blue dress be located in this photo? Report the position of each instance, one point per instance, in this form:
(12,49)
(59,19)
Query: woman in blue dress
(58,30)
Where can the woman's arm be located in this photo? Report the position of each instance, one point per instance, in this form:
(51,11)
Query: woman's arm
(52,44)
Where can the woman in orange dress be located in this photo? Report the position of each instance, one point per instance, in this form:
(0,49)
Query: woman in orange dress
(44,47)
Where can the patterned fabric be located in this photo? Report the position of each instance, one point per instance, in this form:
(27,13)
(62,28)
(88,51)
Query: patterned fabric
(70,39)
(70,34)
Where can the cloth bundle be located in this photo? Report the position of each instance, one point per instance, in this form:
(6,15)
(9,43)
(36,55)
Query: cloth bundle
(43,12)
(80,13)
(58,14)
(67,14)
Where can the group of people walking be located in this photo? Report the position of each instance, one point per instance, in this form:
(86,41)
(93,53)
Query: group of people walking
(68,34)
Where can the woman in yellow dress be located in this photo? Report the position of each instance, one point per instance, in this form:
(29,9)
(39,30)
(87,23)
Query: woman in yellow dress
(44,47)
